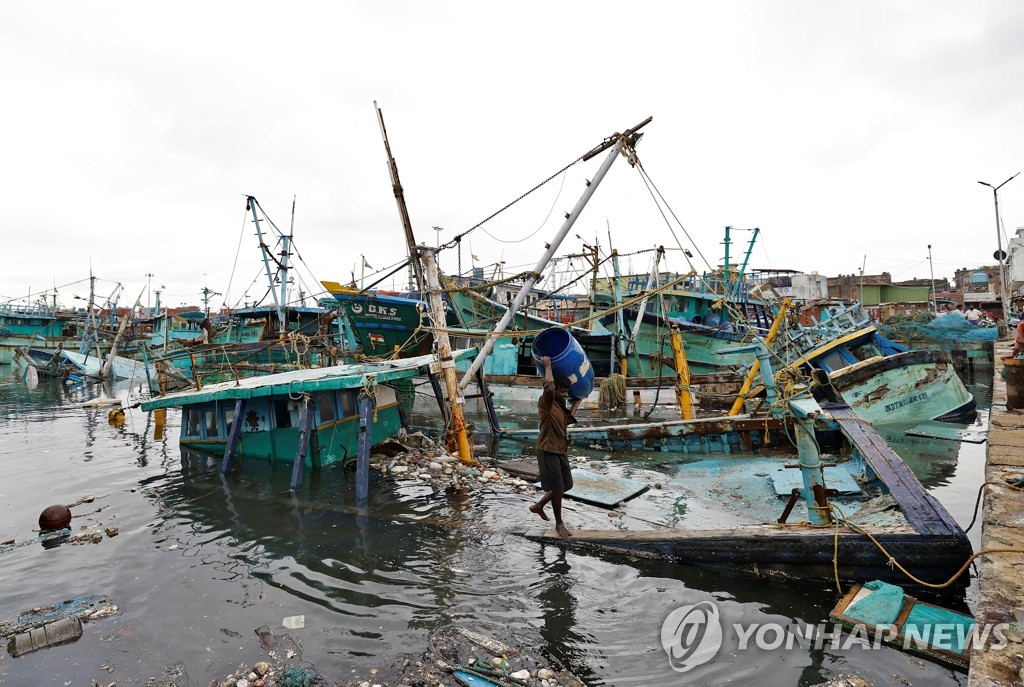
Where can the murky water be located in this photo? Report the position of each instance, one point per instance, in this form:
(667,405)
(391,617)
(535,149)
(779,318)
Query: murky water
(200,561)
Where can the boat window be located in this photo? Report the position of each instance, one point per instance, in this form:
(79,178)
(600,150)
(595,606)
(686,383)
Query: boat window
(832,361)
(348,403)
(282,414)
(192,425)
(229,417)
(325,404)
(211,422)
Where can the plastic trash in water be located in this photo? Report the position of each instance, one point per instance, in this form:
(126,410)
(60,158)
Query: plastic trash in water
(51,634)
(294,622)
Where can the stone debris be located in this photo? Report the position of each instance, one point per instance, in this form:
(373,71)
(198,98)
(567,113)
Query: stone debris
(428,462)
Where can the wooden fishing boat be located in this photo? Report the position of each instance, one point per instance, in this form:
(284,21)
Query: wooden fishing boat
(754,481)
(264,416)
(383,325)
(32,326)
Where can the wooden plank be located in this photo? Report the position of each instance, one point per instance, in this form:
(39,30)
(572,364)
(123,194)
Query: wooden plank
(924,513)
(603,490)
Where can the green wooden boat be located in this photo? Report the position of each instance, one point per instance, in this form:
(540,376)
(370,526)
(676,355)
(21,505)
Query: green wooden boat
(270,408)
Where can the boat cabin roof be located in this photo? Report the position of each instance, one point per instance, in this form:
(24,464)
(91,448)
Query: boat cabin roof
(298,382)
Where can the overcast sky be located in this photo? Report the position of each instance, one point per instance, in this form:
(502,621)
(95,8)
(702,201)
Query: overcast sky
(133,131)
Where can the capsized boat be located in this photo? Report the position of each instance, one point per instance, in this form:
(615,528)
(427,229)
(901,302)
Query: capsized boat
(881,380)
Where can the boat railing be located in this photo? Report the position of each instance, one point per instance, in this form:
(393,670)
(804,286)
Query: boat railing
(27,310)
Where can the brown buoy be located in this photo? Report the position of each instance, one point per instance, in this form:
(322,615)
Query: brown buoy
(54,518)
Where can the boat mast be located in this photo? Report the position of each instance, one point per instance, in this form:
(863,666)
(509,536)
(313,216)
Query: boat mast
(652,283)
(285,253)
(250,204)
(746,260)
(403,211)
(725,272)
(444,355)
(621,342)
(620,144)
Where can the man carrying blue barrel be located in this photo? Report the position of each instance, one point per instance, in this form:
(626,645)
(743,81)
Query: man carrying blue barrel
(553,445)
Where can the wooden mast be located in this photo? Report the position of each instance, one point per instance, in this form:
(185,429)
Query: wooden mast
(403,211)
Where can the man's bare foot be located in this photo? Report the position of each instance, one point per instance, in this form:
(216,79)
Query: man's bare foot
(562,530)
(539,510)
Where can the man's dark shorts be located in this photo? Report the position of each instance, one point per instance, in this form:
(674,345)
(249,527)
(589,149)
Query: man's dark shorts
(555,473)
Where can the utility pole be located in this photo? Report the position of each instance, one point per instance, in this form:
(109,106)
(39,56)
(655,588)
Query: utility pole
(149,281)
(207,294)
(999,254)
(860,292)
(935,307)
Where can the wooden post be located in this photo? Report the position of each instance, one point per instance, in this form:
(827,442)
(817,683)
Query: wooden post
(195,372)
(755,368)
(306,422)
(457,427)
(234,437)
(363,456)
(683,397)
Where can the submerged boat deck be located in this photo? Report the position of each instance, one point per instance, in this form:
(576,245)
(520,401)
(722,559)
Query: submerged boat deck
(723,511)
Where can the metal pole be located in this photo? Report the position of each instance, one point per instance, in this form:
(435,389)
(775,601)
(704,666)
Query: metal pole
(444,354)
(622,144)
(935,307)
(999,244)
(755,368)
(250,204)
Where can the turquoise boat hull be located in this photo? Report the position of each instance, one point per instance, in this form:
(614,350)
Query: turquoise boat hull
(905,387)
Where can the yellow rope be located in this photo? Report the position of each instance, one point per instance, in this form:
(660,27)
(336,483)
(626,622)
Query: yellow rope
(895,563)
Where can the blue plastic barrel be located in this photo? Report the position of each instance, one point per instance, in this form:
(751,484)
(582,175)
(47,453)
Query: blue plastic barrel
(567,360)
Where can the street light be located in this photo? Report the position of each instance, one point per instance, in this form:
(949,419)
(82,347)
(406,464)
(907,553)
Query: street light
(149,280)
(999,244)
(931,268)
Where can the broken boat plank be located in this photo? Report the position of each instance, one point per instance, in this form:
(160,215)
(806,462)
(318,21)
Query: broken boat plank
(925,514)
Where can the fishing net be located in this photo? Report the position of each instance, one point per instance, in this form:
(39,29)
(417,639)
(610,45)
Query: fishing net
(299,676)
(944,328)
(613,391)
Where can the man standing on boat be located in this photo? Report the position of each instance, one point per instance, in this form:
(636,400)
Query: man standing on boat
(973,315)
(553,445)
